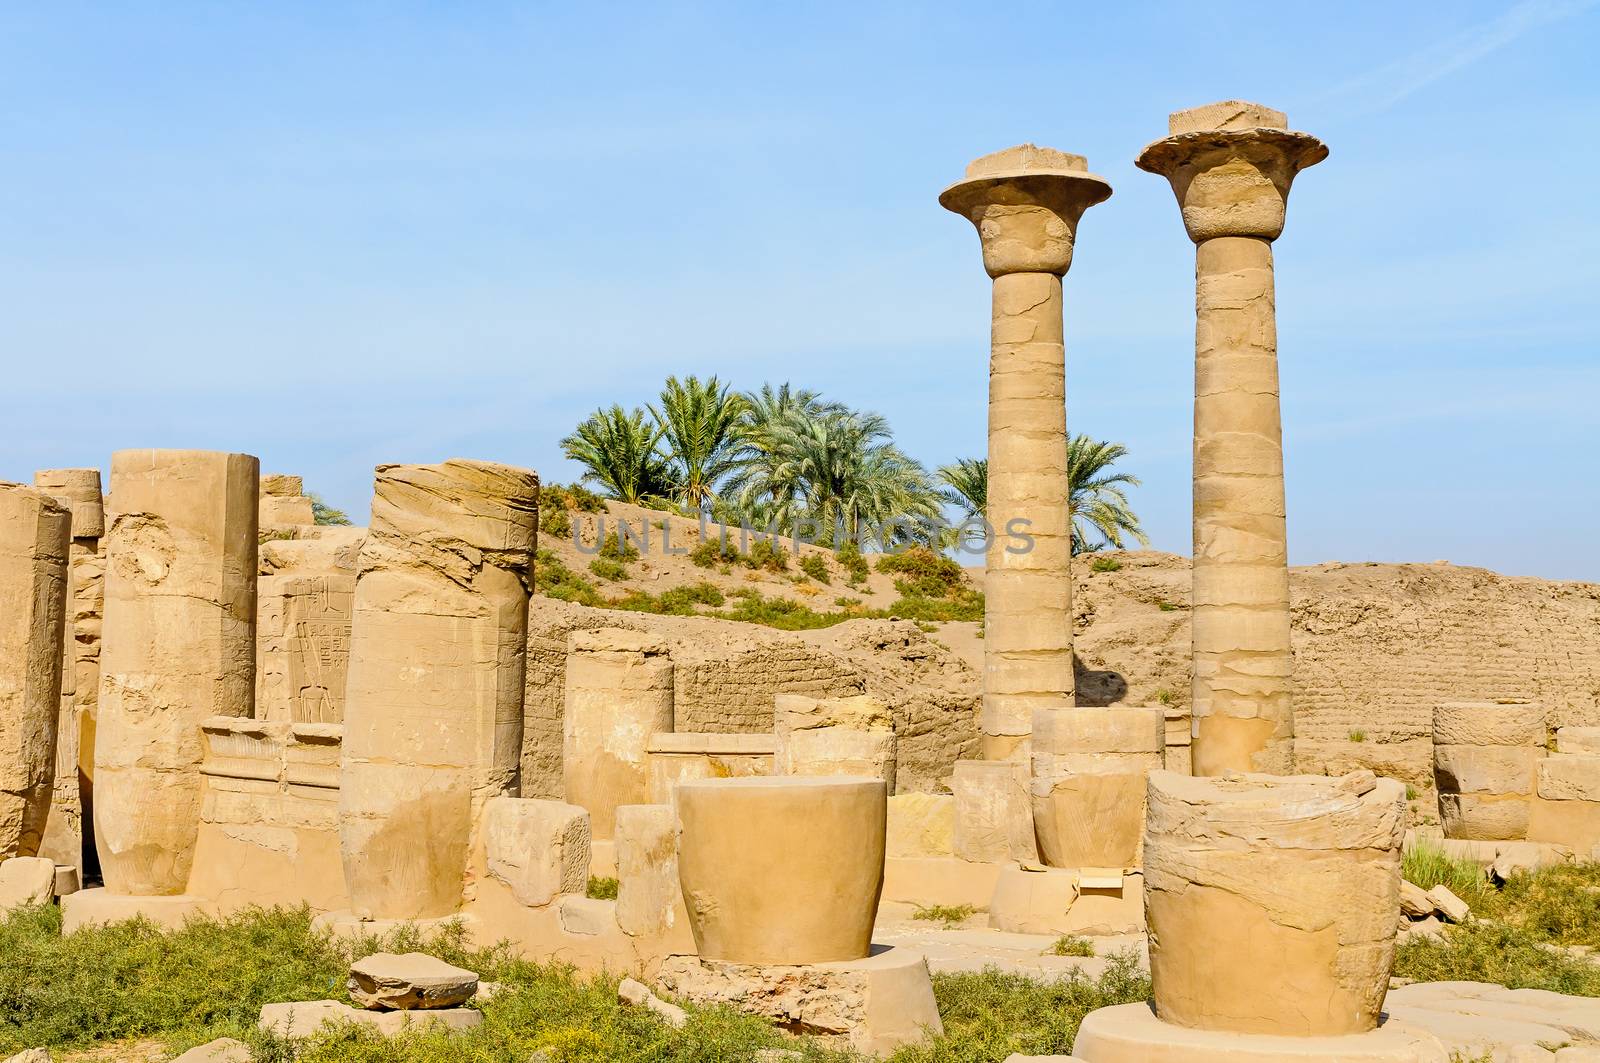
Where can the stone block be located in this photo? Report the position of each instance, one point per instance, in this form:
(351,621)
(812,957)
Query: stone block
(1485,817)
(1229,115)
(1131,1033)
(921,825)
(1489,723)
(618,696)
(1095,729)
(1486,769)
(1567,777)
(648,895)
(222,1050)
(26,880)
(540,849)
(412,981)
(994,811)
(873,1005)
(674,756)
(300,1019)
(588,916)
(1583,740)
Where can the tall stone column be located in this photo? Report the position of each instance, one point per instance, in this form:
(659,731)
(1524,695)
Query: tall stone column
(1231,165)
(72,802)
(34,530)
(433,698)
(178,647)
(1026,202)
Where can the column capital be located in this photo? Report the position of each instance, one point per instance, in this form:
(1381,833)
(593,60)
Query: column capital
(1026,202)
(1231,165)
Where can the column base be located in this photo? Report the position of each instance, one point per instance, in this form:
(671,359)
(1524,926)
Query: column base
(1054,900)
(874,1005)
(99,907)
(1131,1033)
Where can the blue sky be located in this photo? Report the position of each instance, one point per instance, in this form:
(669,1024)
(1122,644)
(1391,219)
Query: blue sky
(333,235)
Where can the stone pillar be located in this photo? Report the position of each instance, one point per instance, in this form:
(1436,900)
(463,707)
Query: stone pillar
(1026,202)
(1486,761)
(73,798)
(433,702)
(1231,165)
(34,536)
(283,505)
(618,697)
(179,647)
(1090,767)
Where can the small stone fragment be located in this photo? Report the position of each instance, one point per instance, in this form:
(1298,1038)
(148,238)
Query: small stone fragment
(636,993)
(1414,901)
(414,981)
(31,1055)
(222,1050)
(1448,905)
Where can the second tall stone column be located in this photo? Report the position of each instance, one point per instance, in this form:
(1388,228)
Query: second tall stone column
(1026,202)
(1231,165)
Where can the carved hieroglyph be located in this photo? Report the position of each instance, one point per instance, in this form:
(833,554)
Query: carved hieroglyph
(433,709)
(1231,165)
(34,533)
(1026,202)
(1272,900)
(178,648)
(79,491)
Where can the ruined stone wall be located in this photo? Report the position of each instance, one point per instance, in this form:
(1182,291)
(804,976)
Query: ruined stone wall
(727,675)
(1376,646)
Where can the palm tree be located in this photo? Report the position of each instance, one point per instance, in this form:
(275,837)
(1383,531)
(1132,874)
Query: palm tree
(1096,498)
(700,425)
(760,480)
(966,484)
(1098,502)
(841,470)
(618,452)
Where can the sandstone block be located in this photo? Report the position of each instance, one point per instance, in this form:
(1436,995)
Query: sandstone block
(538,848)
(994,811)
(35,531)
(222,1050)
(1111,729)
(1414,901)
(301,1019)
(588,916)
(1489,723)
(828,835)
(178,648)
(434,692)
(31,1055)
(921,825)
(1252,873)
(1486,769)
(1448,905)
(648,894)
(674,756)
(1570,778)
(1130,1033)
(1227,115)
(636,993)
(618,696)
(1484,817)
(26,880)
(413,981)
(873,1005)
(1584,740)
(833,736)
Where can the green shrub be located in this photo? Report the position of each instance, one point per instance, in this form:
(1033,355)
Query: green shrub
(1105,564)
(951,915)
(617,548)
(1072,945)
(555,580)
(570,497)
(923,573)
(814,566)
(606,568)
(752,607)
(679,601)
(555,523)
(965,605)
(1492,951)
(1358,736)
(1428,866)
(854,563)
(712,552)
(845,602)
(601,889)
(767,554)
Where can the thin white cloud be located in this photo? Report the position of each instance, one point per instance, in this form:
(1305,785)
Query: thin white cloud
(1387,85)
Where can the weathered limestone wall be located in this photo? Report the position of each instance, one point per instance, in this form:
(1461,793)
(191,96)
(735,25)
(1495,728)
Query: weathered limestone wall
(35,531)
(434,695)
(1231,165)
(178,648)
(303,646)
(73,796)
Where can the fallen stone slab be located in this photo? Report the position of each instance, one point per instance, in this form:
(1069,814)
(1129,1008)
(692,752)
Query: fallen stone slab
(299,1019)
(414,981)
(1473,1035)
(636,993)
(1448,905)
(222,1050)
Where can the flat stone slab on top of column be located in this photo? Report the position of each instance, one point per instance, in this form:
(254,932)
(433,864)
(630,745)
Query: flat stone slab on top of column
(1026,202)
(1231,165)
